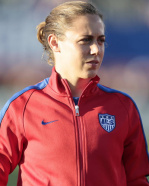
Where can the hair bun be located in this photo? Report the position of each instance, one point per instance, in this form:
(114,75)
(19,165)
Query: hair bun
(40,32)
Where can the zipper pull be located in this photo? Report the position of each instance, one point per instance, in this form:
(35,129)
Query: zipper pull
(77,110)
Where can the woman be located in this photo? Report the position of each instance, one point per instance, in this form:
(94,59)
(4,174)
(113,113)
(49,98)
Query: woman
(68,130)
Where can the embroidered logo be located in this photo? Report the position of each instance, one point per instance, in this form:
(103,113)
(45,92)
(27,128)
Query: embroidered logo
(107,122)
(45,123)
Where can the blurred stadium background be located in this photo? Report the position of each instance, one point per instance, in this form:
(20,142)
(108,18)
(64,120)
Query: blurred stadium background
(126,62)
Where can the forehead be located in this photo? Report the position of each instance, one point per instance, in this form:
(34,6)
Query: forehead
(86,25)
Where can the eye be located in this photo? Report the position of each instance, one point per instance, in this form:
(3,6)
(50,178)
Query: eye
(101,40)
(85,40)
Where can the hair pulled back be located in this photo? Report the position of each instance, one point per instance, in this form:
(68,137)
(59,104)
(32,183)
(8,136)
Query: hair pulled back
(60,20)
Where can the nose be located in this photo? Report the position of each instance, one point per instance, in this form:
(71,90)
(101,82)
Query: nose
(94,49)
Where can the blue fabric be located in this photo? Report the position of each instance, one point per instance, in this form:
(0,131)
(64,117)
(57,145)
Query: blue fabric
(38,86)
(76,99)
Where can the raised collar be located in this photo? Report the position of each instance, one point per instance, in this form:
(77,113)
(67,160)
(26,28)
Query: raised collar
(60,86)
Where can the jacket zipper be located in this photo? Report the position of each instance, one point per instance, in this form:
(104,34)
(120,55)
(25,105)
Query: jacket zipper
(77,110)
(80,148)
(80,144)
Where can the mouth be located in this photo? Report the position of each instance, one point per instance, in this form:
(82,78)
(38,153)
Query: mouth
(94,62)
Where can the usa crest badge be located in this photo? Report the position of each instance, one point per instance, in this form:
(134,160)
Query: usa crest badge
(107,122)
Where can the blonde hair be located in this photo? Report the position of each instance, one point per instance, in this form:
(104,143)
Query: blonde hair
(59,20)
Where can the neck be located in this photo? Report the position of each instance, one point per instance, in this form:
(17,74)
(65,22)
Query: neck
(78,86)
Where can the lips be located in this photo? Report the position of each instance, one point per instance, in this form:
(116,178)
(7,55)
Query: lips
(93,62)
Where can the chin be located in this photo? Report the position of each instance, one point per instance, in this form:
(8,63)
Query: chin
(90,75)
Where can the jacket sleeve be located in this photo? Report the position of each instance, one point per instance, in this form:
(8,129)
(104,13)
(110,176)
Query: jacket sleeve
(135,156)
(12,138)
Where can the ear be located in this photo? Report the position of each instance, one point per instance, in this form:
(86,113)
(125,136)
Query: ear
(53,43)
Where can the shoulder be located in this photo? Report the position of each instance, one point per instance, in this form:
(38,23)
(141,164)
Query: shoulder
(125,98)
(110,90)
(20,98)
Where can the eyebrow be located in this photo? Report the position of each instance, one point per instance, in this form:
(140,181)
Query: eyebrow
(102,36)
(92,35)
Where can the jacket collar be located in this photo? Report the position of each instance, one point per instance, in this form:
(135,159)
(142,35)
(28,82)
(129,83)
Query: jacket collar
(60,86)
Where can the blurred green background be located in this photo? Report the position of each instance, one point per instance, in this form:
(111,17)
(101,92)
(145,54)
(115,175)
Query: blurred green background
(126,62)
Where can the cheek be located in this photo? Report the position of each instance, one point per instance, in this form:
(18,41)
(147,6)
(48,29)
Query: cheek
(78,52)
(84,51)
(102,50)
